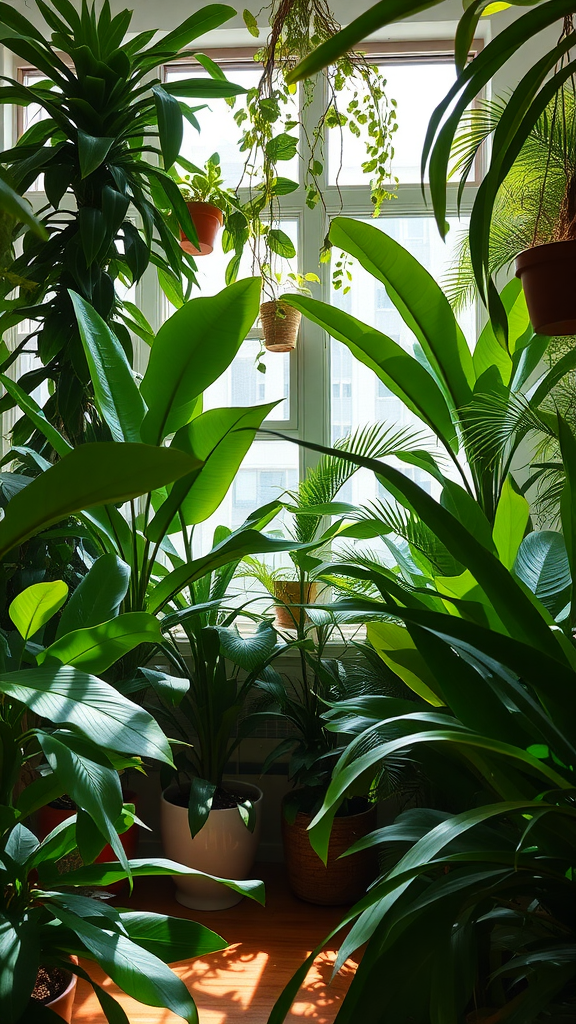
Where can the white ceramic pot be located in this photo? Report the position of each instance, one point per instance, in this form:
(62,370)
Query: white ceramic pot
(223,847)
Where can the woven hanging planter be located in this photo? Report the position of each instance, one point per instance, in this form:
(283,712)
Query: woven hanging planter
(280,325)
(340,881)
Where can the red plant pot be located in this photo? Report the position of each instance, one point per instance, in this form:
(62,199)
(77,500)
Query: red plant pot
(207,220)
(548,276)
(49,817)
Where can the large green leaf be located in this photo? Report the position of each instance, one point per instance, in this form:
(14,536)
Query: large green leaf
(115,389)
(170,938)
(399,371)
(95,648)
(138,972)
(19,961)
(510,523)
(92,474)
(65,695)
(108,873)
(34,412)
(219,439)
(208,18)
(192,349)
(93,786)
(248,652)
(36,605)
(418,298)
(397,649)
(97,597)
(542,564)
(170,125)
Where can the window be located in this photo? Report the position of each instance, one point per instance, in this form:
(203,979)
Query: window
(323,392)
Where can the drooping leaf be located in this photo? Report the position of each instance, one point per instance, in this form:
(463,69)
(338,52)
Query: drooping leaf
(35,606)
(97,597)
(95,648)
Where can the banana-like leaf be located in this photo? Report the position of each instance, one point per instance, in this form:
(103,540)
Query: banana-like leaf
(92,474)
(398,650)
(97,597)
(64,695)
(510,523)
(35,606)
(115,389)
(191,350)
(542,564)
(95,648)
(170,938)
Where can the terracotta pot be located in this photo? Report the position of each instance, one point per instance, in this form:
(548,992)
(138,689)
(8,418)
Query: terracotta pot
(340,881)
(288,591)
(63,1004)
(280,325)
(548,275)
(223,847)
(207,220)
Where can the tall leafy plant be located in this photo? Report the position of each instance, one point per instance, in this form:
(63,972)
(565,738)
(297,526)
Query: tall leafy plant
(450,389)
(479,892)
(110,135)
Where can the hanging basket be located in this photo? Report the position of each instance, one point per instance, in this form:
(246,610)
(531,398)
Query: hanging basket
(207,220)
(280,325)
(548,276)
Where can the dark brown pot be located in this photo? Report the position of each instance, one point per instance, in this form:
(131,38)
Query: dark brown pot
(207,220)
(548,276)
(340,881)
(288,591)
(280,325)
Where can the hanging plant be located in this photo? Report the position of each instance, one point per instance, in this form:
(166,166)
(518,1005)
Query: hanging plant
(349,96)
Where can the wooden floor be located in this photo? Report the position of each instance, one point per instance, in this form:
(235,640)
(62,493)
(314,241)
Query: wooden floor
(241,983)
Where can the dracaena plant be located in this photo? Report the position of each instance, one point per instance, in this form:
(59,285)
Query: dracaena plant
(479,889)
(109,136)
(475,403)
(59,711)
(542,83)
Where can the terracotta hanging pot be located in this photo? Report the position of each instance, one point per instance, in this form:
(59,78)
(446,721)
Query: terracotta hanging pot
(339,881)
(288,592)
(63,1003)
(548,276)
(280,325)
(207,220)
(223,847)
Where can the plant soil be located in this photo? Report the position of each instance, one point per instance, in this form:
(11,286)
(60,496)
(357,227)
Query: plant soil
(224,798)
(51,982)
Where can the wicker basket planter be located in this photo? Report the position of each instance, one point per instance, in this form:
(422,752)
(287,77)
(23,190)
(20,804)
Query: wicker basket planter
(340,881)
(548,275)
(280,325)
(288,592)
(207,220)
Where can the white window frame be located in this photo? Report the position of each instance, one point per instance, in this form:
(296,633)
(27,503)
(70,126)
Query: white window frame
(310,378)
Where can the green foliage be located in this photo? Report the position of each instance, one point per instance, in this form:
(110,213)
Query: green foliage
(90,148)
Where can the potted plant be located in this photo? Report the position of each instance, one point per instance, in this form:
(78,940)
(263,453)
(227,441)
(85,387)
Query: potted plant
(208,204)
(87,732)
(209,820)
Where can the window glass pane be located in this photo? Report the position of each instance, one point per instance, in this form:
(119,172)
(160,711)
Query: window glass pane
(219,132)
(417,89)
(358,397)
(32,114)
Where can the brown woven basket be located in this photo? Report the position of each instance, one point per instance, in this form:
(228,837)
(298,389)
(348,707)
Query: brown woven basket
(280,325)
(341,881)
(288,591)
